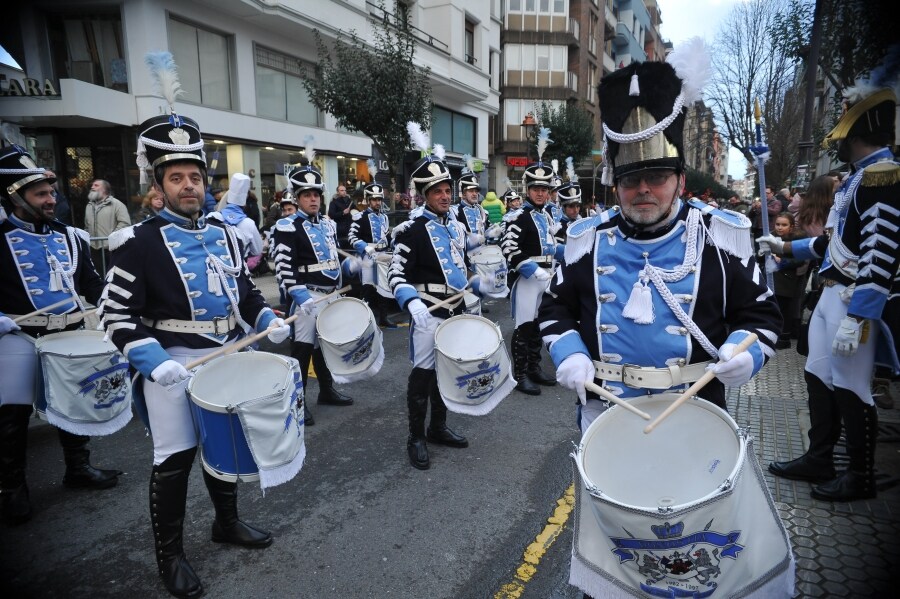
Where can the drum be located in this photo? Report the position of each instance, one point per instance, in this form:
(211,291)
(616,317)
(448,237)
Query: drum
(350,340)
(85,388)
(472,303)
(472,363)
(490,265)
(681,511)
(382,285)
(248,411)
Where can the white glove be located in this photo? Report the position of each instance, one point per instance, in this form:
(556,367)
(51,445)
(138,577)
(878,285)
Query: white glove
(370,251)
(574,372)
(476,239)
(541,274)
(733,370)
(354,264)
(308,307)
(169,373)
(770,244)
(384,257)
(846,340)
(419,313)
(493,232)
(278,331)
(7,325)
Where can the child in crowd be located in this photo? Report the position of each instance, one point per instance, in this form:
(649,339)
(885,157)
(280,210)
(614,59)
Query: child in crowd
(790,281)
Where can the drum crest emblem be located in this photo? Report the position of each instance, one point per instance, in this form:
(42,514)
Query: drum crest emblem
(674,564)
(295,414)
(481,382)
(107,386)
(361,351)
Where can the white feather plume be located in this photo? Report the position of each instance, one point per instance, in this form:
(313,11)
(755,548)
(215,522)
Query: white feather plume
(373,168)
(309,151)
(570,170)
(165,75)
(439,151)
(417,137)
(543,138)
(691,62)
(470,162)
(554,164)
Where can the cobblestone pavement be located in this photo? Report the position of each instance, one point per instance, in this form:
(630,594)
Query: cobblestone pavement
(842,549)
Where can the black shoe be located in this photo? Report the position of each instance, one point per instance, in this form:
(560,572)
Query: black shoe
(308,419)
(445,436)
(540,377)
(526,386)
(783,343)
(847,487)
(88,477)
(180,579)
(241,534)
(332,397)
(804,468)
(418,453)
(16,505)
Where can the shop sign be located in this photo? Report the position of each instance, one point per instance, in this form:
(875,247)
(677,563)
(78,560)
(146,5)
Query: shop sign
(26,87)
(516,161)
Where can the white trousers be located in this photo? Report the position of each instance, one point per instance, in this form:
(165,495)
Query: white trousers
(853,373)
(526,299)
(421,344)
(305,325)
(18,369)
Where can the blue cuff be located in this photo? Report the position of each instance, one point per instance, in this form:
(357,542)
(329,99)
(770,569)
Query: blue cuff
(145,358)
(755,351)
(867,303)
(360,247)
(560,252)
(265,319)
(405,294)
(526,269)
(299,296)
(568,344)
(802,249)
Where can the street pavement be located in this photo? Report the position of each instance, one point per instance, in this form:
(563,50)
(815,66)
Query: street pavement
(493,520)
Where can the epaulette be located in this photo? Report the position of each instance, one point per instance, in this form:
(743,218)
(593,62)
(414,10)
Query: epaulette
(728,230)
(514,214)
(118,238)
(580,234)
(81,233)
(881,174)
(285,225)
(215,215)
(358,215)
(401,228)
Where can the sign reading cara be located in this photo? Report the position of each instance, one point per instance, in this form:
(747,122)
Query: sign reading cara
(26,87)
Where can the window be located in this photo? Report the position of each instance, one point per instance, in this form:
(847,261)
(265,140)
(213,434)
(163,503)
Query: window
(515,5)
(89,47)
(204,64)
(279,89)
(544,7)
(454,130)
(470,42)
(543,58)
(521,57)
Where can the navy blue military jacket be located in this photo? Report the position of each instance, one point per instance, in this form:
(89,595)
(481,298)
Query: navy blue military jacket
(37,265)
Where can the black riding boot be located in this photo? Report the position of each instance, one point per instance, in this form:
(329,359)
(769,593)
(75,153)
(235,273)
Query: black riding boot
(417,405)
(168,494)
(79,472)
(14,500)
(437,428)
(861,426)
(302,352)
(534,370)
(817,464)
(227,528)
(520,362)
(327,393)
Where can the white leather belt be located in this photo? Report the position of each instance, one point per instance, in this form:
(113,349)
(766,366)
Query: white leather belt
(436,288)
(434,300)
(327,265)
(216,326)
(647,377)
(51,322)
(543,260)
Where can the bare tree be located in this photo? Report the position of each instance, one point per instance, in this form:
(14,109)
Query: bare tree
(748,65)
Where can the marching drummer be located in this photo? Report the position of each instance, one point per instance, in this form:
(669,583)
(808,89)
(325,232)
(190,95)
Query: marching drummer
(469,211)
(429,266)
(178,289)
(569,196)
(42,262)
(307,268)
(531,251)
(369,238)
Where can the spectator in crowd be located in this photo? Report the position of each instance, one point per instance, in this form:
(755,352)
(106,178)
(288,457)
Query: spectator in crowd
(789,280)
(736,204)
(339,210)
(814,206)
(103,215)
(63,209)
(773,207)
(404,203)
(150,206)
(494,207)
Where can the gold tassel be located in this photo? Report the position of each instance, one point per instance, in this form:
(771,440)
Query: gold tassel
(882,174)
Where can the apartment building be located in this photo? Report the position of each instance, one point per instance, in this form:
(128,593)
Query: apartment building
(84,89)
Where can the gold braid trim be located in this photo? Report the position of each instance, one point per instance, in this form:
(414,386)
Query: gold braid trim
(881,175)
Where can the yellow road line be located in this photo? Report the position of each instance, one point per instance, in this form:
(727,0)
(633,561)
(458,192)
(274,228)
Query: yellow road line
(537,548)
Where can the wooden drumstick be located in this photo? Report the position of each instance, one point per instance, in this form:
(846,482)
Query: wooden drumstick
(701,382)
(449,300)
(612,398)
(229,349)
(41,311)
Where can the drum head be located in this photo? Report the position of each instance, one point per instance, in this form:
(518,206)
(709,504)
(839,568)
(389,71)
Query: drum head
(236,378)
(74,343)
(343,321)
(685,459)
(467,337)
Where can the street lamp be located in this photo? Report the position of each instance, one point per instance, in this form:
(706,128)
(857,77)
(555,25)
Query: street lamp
(528,123)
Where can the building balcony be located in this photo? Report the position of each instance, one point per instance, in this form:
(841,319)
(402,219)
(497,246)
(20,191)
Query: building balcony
(611,20)
(623,34)
(609,65)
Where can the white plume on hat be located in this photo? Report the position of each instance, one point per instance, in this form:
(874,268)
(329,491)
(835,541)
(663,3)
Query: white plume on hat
(238,190)
(373,168)
(691,62)
(570,170)
(418,137)
(309,150)
(165,76)
(543,138)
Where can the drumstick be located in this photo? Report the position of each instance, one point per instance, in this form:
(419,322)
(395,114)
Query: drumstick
(449,300)
(701,382)
(40,311)
(612,398)
(228,349)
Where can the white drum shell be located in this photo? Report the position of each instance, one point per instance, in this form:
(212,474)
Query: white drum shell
(382,285)
(470,358)
(351,342)
(489,263)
